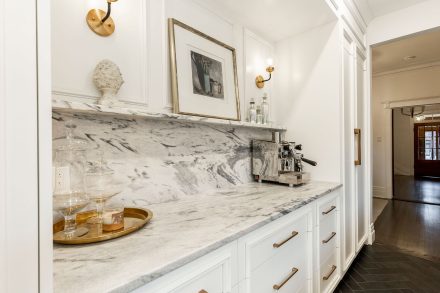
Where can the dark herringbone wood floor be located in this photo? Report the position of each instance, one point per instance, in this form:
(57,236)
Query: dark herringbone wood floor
(379,268)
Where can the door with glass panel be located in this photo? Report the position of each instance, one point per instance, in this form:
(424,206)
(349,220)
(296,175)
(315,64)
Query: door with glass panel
(426,149)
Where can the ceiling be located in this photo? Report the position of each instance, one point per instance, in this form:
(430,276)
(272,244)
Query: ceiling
(275,19)
(390,56)
(382,7)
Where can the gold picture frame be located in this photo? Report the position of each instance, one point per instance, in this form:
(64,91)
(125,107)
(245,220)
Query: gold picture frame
(172,23)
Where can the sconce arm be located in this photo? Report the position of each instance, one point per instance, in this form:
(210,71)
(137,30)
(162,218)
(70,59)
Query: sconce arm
(270,76)
(109,11)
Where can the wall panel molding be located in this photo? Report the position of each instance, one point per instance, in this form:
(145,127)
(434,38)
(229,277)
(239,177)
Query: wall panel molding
(81,91)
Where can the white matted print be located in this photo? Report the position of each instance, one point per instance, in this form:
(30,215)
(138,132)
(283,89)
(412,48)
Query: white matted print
(203,74)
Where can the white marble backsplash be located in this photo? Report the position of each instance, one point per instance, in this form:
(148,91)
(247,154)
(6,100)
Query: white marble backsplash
(164,160)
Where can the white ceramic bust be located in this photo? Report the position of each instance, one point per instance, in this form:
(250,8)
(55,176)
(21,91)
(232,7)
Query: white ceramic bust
(108,79)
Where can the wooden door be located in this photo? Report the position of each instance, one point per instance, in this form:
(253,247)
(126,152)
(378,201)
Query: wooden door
(426,149)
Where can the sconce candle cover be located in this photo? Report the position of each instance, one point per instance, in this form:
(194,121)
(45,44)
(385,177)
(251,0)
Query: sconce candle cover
(100,21)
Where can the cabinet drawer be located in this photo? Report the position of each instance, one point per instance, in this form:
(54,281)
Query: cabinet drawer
(209,282)
(285,241)
(287,270)
(327,209)
(329,273)
(328,238)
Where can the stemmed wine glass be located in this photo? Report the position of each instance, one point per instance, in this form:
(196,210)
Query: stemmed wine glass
(101,185)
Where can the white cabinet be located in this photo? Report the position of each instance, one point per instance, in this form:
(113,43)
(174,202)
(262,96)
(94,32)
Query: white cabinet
(355,199)
(300,252)
(277,258)
(362,198)
(328,243)
(212,273)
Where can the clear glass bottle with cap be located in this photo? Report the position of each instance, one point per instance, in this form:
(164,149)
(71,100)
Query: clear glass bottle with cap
(252,112)
(265,109)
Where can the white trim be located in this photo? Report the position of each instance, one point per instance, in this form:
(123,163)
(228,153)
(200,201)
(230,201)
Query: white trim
(84,98)
(21,137)
(380,191)
(411,102)
(3,202)
(355,13)
(371,235)
(409,68)
(44,146)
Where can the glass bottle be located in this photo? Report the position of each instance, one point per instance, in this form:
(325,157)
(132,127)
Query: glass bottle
(265,109)
(252,112)
(259,115)
(69,196)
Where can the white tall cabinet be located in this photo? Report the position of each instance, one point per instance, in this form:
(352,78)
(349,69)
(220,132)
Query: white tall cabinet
(356,200)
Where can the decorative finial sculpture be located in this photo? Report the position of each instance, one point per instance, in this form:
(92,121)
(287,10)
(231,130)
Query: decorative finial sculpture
(108,79)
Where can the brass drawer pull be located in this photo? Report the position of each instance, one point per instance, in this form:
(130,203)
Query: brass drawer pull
(279,244)
(329,210)
(278,287)
(330,238)
(203,291)
(325,278)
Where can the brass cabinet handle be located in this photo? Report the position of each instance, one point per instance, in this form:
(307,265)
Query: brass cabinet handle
(325,278)
(279,244)
(357,132)
(278,287)
(203,291)
(329,210)
(330,238)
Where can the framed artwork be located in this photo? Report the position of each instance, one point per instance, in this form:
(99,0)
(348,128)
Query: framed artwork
(203,74)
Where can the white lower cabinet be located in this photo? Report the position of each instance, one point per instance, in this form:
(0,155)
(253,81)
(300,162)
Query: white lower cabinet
(299,252)
(327,263)
(215,272)
(277,258)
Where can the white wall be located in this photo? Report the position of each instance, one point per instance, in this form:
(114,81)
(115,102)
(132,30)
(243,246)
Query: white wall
(18,150)
(410,84)
(140,47)
(404,22)
(403,144)
(308,93)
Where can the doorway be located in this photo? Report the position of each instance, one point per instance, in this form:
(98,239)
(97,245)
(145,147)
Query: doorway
(416,157)
(406,124)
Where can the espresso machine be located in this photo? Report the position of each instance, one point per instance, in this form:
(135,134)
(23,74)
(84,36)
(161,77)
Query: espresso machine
(279,161)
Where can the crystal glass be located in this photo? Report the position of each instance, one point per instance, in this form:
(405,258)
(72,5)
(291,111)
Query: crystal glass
(101,184)
(69,196)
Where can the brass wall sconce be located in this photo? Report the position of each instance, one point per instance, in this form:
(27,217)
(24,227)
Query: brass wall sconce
(259,81)
(100,21)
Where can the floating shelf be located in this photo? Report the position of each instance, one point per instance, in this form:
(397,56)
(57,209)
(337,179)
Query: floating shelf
(90,108)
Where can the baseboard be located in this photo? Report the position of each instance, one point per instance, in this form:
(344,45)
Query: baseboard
(379,191)
(371,235)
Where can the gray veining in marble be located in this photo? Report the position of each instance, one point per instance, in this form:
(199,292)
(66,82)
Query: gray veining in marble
(165,160)
(180,232)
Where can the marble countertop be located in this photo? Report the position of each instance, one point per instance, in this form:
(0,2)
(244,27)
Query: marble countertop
(180,232)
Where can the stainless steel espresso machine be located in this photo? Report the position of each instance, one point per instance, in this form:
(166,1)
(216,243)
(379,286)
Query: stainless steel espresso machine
(279,161)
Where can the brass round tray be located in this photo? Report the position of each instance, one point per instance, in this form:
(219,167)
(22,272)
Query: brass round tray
(134,219)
